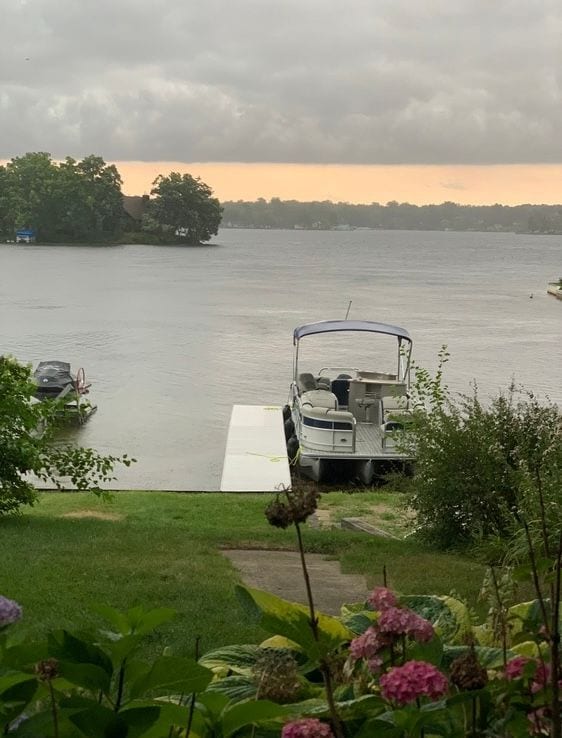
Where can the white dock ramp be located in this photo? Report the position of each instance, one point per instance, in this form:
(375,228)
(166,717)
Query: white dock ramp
(256,455)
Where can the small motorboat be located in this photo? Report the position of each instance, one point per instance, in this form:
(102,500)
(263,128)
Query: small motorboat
(56,382)
(342,421)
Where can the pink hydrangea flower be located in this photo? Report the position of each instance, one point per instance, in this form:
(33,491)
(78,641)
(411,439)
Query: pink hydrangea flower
(404,684)
(366,645)
(401,621)
(375,664)
(307,728)
(540,677)
(514,667)
(10,611)
(382,598)
(421,629)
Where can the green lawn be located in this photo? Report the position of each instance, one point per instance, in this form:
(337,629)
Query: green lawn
(163,549)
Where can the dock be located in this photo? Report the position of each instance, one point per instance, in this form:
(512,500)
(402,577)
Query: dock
(255,459)
(555,289)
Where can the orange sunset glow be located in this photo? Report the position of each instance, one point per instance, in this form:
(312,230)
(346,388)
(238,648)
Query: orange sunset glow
(468,185)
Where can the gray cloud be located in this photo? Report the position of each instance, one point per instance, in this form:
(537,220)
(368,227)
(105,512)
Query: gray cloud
(345,81)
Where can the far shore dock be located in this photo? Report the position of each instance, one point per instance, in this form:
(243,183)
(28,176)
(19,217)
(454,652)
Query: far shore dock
(555,288)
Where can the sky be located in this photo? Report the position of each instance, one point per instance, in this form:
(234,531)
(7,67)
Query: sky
(419,100)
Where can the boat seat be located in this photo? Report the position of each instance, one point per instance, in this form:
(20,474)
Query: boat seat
(320,398)
(396,401)
(324,383)
(324,413)
(340,388)
(306,382)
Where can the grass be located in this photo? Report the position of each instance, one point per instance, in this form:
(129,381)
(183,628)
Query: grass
(383,510)
(72,551)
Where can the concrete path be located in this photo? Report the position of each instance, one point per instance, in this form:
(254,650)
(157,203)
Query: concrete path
(280,573)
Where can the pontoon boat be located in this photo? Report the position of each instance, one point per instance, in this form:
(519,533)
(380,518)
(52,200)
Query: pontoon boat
(345,419)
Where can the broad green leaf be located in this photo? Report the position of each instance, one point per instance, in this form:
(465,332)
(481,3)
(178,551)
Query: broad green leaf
(379,728)
(358,622)
(238,659)
(450,617)
(352,609)
(15,698)
(88,676)
(22,655)
(173,674)
(250,713)
(117,619)
(526,648)
(137,620)
(236,688)
(8,681)
(211,704)
(489,658)
(67,647)
(97,721)
(292,620)
(432,651)
(278,641)
(526,616)
(122,648)
(139,720)
(40,724)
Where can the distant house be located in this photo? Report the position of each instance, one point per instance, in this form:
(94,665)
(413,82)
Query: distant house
(135,206)
(25,235)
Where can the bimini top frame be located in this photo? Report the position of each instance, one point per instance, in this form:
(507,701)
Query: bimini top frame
(331,326)
(368,326)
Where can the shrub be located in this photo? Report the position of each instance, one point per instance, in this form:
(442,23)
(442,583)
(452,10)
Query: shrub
(26,428)
(480,468)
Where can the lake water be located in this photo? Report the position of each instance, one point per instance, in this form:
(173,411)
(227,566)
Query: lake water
(172,337)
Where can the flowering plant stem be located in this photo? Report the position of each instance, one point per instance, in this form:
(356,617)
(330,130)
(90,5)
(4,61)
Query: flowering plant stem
(54,710)
(193,696)
(324,666)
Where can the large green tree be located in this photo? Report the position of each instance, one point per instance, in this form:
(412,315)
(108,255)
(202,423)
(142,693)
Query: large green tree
(66,201)
(183,209)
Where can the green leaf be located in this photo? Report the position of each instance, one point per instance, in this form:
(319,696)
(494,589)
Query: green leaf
(137,620)
(432,651)
(278,641)
(122,648)
(292,620)
(97,721)
(489,658)
(358,622)
(526,616)
(239,659)
(88,676)
(67,647)
(8,681)
(250,713)
(173,674)
(139,720)
(211,704)
(236,688)
(450,617)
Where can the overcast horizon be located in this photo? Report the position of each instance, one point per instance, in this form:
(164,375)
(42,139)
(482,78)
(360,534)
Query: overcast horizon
(458,96)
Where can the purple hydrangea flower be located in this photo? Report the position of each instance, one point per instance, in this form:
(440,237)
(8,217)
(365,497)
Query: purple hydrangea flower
(10,611)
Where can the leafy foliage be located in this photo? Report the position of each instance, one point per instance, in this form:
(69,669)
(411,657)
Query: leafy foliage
(26,428)
(480,468)
(67,201)
(183,209)
(93,684)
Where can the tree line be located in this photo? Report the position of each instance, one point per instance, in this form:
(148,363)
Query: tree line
(81,201)
(327,215)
